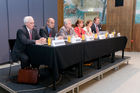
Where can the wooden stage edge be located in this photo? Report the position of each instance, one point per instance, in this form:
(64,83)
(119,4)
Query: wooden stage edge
(97,75)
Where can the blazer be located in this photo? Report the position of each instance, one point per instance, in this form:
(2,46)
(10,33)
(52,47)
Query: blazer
(94,29)
(44,32)
(23,39)
(63,32)
(77,31)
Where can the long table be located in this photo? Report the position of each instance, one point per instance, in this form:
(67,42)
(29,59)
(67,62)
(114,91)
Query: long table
(61,57)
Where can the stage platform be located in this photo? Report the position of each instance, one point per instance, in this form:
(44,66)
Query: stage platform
(68,80)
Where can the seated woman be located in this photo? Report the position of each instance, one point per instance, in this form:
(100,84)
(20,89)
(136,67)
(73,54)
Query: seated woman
(87,28)
(78,28)
(67,29)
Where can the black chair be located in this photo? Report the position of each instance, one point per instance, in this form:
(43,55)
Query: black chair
(11,61)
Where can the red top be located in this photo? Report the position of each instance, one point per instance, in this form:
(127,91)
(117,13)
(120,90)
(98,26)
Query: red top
(77,31)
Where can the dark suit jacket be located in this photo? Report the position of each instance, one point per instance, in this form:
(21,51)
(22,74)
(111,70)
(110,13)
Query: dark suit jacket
(22,40)
(93,29)
(44,32)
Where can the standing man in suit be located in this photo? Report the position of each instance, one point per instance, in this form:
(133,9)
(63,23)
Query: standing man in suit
(25,36)
(96,27)
(48,30)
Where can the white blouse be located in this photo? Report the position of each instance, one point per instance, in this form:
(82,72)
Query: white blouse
(87,32)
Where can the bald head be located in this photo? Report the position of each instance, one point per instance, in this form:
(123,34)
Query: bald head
(50,22)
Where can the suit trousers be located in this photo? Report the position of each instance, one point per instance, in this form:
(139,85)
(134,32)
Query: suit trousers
(23,57)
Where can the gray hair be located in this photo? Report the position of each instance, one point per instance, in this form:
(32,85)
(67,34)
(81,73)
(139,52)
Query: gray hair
(66,21)
(27,19)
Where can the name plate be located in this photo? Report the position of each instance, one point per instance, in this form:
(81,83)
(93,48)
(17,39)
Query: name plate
(118,34)
(102,37)
(111,35)
(76,40)
(58,42)
(89,38)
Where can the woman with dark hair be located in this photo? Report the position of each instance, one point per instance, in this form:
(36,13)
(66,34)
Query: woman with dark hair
(79,28)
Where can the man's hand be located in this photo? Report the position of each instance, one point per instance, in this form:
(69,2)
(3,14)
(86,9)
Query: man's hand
(37,42)
(60,37)
(41,41)
(76,36)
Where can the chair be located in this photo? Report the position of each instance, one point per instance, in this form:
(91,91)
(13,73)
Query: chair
(11,61)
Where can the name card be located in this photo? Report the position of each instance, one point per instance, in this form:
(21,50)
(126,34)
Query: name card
(102,37)
(76,40)
(111,35)
(58,42)
(89,38)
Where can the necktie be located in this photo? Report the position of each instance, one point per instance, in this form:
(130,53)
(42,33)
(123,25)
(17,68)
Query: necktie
(97,29)
(50,33)
(30,34)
